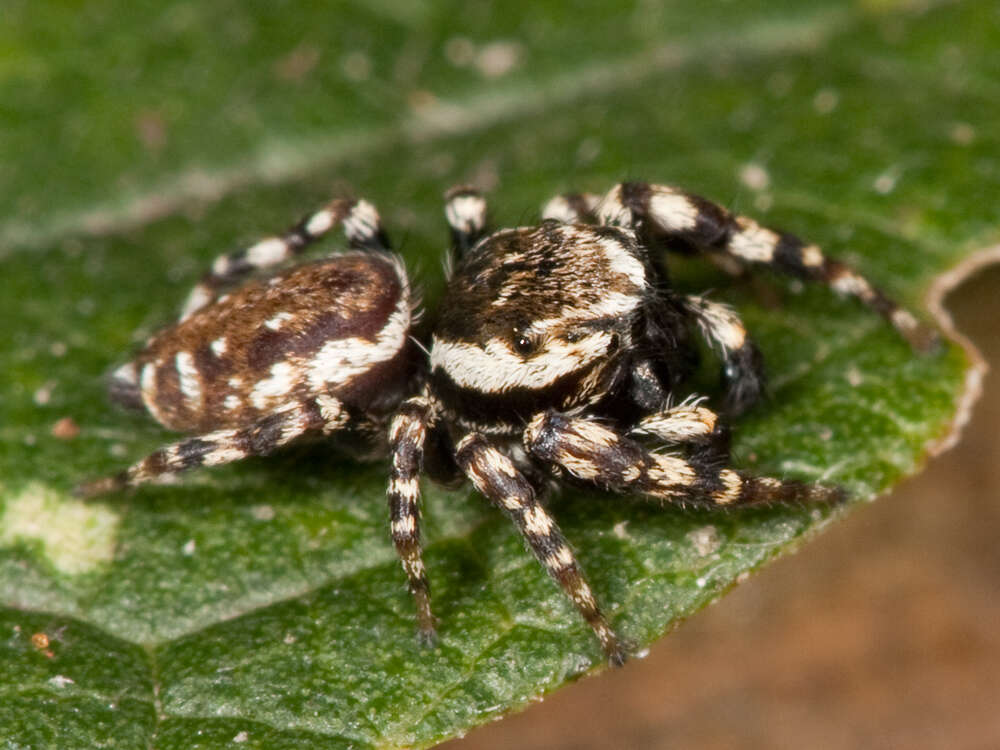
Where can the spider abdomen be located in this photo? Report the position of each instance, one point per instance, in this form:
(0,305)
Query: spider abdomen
(338,327)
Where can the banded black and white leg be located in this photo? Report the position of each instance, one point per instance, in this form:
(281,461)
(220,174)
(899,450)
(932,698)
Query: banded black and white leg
(698,429)
(407,437)
(594,453)
(466,211)
(742,363)
(494,475)
(326,414)
(572,208)
(359,218)
(689,222)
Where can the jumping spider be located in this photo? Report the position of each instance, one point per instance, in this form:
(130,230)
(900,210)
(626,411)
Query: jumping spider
(556,351)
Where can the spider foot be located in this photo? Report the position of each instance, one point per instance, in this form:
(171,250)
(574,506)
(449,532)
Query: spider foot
(102,486)
(427,636)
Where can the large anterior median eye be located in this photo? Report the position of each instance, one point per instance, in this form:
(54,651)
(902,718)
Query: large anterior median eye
(524,343)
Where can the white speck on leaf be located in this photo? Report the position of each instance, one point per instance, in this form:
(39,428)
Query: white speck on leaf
(460,51)
(262,512)
(498,58)
(705,540)
(962,133)
(43,394)
(885,183)
(754,176)
(357,66)
(825,101)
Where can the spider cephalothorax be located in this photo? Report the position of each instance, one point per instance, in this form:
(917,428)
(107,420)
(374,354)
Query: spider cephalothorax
(556,352)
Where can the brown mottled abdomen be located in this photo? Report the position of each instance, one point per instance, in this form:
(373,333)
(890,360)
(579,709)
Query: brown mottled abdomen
(338,327)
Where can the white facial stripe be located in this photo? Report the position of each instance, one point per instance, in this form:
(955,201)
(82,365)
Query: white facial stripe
(497,368)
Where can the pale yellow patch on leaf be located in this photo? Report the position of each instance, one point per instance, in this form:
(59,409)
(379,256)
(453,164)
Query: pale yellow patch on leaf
(75,536)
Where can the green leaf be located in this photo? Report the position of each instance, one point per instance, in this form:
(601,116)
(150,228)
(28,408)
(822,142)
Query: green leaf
(261,604)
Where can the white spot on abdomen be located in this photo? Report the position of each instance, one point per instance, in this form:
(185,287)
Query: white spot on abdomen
(189,378)
(273,390)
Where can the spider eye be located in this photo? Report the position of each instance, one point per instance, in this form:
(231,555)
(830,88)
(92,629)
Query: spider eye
(524,344)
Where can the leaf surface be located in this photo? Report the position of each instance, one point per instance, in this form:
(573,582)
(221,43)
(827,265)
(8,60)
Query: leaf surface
(262,604)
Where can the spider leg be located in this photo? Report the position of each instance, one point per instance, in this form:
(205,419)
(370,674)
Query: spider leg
(572,208)
(361,223)
(495,476)
(589,451)
(696,427)
(465,208)
(742,364)
(689,222)
(226,446)
(407,437)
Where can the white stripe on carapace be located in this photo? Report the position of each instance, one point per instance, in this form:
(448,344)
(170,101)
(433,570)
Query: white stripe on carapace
(622,261)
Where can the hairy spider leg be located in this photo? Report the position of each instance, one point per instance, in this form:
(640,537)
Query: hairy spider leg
(696,427)
(742,363)
(683,220)
(572,208)
(494,475)
(227,446)
(407,437)
(465,209)
(361,224)
(594,453)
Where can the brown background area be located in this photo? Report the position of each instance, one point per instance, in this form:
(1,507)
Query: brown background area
(882,633)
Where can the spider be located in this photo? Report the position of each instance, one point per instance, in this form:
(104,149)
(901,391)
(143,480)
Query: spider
(558,353)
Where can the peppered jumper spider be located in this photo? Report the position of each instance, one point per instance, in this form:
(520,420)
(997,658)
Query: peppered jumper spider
(558,350)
